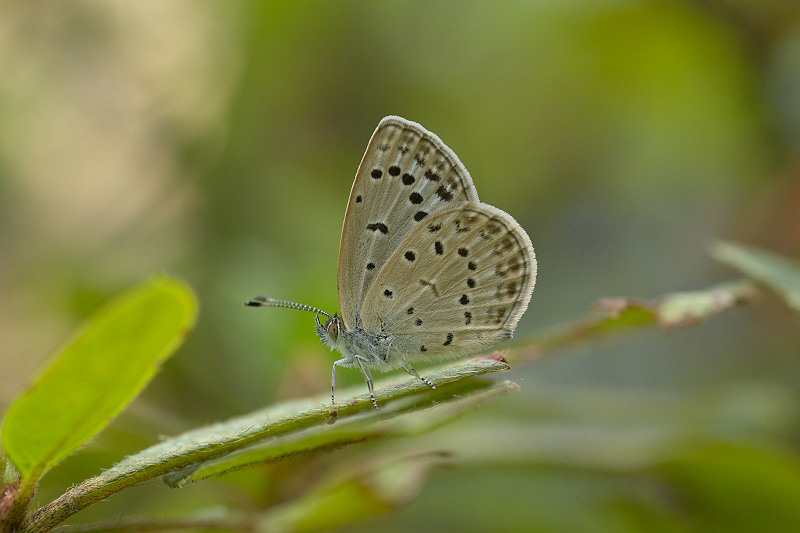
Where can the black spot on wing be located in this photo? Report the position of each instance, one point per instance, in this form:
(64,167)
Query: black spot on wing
(431,175)
(378,226)
(444,194)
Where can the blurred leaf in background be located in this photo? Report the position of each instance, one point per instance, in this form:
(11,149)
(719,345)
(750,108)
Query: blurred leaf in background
(219,140)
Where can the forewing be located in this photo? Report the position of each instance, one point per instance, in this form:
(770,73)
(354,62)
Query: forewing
(406,176)
(458,283)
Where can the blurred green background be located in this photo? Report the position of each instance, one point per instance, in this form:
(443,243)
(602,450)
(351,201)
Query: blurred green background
(217,141)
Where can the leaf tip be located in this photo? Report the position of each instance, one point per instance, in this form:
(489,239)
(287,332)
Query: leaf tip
(499,357)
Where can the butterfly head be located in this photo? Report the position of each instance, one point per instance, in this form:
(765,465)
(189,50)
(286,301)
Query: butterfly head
(330,332)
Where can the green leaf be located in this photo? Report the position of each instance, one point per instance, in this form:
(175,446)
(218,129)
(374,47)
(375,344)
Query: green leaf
(613,316)
(207,443)
(693,307)
(402,418)
(96,374)
(780,274)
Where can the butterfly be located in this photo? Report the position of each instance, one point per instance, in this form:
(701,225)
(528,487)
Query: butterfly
(426,270)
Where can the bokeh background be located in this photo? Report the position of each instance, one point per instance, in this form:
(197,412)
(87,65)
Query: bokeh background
(218,140)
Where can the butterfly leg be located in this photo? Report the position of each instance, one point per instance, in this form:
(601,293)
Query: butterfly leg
(408,368)
(333,377)
(368,376)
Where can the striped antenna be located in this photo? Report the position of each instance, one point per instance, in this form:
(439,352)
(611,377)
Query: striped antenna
(261,301)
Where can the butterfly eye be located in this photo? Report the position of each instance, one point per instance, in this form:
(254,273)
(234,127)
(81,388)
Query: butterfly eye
(333,330)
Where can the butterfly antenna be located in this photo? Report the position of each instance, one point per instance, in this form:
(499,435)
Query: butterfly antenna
(261,301)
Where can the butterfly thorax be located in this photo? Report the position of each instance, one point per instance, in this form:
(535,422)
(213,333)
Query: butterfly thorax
(373,350)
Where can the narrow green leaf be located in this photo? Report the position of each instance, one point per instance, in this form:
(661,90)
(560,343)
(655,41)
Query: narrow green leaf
(693,307)
(780,274)
(214,441)
(613,316)
(403,418)
(96,374)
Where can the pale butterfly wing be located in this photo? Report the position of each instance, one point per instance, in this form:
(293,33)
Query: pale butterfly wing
(406,176)
(458,282)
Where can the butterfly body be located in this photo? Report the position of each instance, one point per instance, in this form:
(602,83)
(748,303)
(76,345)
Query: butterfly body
(372,349)
(426,270)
